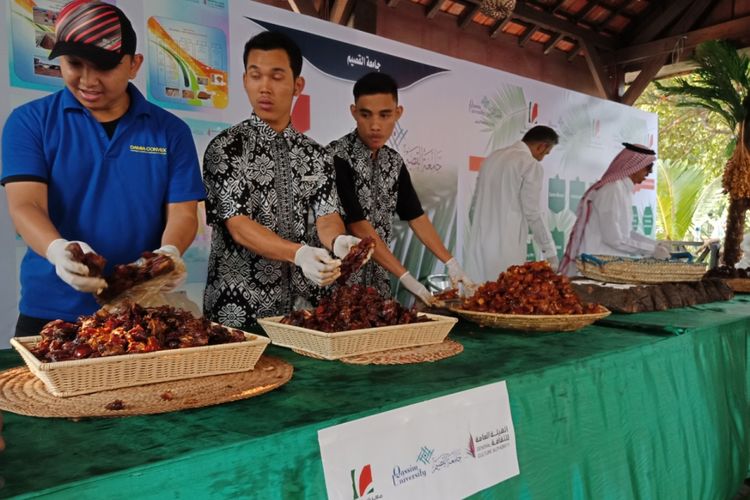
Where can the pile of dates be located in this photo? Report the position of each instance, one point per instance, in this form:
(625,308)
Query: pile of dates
(134,329)
(351,308)
(727,272)
(531,288)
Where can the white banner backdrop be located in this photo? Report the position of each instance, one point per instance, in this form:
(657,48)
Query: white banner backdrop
(444,448)
(456,112)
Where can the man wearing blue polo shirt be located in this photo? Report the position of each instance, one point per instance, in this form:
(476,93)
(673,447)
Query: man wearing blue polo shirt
(95,163)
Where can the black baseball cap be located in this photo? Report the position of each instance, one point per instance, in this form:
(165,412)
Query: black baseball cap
(96,31)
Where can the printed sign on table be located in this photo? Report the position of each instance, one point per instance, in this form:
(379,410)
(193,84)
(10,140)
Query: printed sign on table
(448,447)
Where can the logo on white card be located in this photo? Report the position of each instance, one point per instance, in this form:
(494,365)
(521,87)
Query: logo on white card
(445,460)
(425,454)
(407,473)
(488,442)
(362,484)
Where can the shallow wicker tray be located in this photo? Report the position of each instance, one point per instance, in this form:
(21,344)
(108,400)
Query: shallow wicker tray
(352,342)
(84,376)
(23,393)
(738,285)
(533,322)
(614,269)
(401,356)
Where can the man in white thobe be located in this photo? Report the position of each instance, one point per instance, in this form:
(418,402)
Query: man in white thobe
(605,215)
(506,204)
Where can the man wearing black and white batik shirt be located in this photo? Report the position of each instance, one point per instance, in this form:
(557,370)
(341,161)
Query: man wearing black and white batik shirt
(374,185)
(263,178)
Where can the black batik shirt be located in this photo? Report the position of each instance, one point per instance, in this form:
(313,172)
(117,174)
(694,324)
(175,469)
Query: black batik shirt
(277,180)
(375,190)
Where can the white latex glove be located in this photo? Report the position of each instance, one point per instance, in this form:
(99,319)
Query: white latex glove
(661,252)
(417,288)
(554,262)
(458,275)
(317,265)
(71,272)
(178,278)
(343,243)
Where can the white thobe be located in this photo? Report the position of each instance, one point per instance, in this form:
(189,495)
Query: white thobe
(505,205)
(609,230)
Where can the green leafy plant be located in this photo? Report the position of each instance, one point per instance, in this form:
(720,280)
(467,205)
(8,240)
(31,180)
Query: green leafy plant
(720,84)
(680,194)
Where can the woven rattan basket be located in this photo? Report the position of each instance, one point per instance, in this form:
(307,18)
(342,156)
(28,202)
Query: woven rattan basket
(352,342)
(84,376)
(533,322)
(614,269)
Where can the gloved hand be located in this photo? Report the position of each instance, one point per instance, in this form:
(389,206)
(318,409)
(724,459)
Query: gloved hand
(458,275)
(71,272)
(554,262)
(317,265)
(661,252)
(343,243)
(417,288)
(178,278)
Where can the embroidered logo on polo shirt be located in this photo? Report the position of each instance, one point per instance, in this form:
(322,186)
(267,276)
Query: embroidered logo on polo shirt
(151,150)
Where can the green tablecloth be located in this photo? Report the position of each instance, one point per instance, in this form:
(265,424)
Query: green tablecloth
(605,413)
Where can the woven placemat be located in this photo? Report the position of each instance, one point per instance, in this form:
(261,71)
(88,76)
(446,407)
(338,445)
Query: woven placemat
(21,392)
(401,356)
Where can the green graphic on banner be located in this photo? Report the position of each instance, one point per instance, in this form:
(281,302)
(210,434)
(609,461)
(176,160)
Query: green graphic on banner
(559,238)
(577,190)
(635,218)
(648,221)
(556,199)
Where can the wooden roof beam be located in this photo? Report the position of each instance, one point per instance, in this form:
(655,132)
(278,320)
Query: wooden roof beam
(652,66)
(649,30)
(498,28)
(729,29)
(598,71)
(306,7)
(552,42)
(578,18)
(614,12)
(557,5)
(648,72)
(554,23)
(574,51)
(467,15)
(526,36)
(341,11)
(433,9)
(585,10)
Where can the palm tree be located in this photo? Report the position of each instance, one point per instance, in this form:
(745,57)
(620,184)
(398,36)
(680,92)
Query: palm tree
(721,84)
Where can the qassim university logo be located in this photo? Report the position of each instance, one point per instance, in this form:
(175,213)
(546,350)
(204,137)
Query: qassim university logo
(425,455)
(362,482)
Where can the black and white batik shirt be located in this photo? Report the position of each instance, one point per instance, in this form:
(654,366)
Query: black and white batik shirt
(375,190)
(277,180)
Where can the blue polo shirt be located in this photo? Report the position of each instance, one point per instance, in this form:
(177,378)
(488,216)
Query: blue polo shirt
(109,193)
